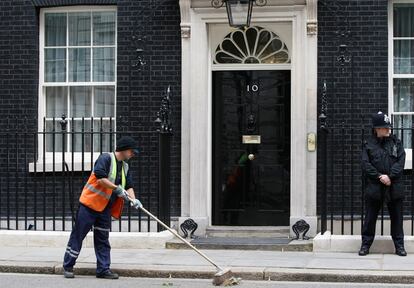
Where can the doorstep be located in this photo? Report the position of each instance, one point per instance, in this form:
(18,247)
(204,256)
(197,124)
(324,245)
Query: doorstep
(244,243)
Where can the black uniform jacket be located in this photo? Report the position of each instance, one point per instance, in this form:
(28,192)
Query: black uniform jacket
(383,156)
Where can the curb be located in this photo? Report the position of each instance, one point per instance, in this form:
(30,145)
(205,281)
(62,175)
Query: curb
(29,268)
(308,275)
(246,273)
(144,272)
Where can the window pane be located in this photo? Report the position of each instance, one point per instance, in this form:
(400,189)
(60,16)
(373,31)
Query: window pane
(79,64)
(403,95)
(56,104)
(55,65)
(263,41)
(403,56)
(104,28)
(104,101)
(104,64)
(79,29)
(102,138)
(81,141)
(402,125)
(54,136)
(403,20)
(55,29)
(80,101)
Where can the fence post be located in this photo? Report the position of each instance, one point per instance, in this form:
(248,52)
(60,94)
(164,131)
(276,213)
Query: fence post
(63,123)
(323,135)
(164,149)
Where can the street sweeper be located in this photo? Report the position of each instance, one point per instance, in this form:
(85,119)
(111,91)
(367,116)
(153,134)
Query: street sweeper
(103,197)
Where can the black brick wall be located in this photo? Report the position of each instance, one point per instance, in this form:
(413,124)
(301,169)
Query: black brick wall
(139,89)
(18,60)
(354,93)
(368,44)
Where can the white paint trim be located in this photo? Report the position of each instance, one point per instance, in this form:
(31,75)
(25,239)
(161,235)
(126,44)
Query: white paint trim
(390,58)
(45,164)
(311,60)
(210,134)
(229,67)
(185,102)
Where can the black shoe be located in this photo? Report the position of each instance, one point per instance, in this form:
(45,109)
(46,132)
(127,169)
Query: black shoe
(68,273)
(364,251)
(400,251)
(108,275)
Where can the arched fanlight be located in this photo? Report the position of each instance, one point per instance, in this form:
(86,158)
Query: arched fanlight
(239,12)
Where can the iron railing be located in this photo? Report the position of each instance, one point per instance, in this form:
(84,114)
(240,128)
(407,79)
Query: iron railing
(42,173)
(341,186)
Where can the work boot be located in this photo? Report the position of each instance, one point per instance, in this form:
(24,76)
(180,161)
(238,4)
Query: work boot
(400,251)
(68,273)
(108,275)
(364,251)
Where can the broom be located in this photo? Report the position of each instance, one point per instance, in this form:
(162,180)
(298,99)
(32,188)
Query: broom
(223,276)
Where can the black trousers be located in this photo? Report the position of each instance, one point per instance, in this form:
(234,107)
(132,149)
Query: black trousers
(395,210)
(101,224)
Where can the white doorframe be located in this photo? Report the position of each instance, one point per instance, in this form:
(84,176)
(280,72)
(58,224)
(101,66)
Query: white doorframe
(197,110)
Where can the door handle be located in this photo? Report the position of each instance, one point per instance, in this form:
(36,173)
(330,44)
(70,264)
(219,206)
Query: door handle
(251,157)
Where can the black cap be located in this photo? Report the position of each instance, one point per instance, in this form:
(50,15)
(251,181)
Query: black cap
(381,120)
(126,143)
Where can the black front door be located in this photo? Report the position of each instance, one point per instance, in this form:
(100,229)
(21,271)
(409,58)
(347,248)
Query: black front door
(251,148)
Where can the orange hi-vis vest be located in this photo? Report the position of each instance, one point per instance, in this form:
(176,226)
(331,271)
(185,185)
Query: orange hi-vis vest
(97,197)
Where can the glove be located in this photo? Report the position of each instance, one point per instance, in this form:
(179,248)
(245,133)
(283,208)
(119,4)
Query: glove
(121,192)
(136,204)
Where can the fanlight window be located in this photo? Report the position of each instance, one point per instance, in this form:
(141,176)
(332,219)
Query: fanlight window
(252,45)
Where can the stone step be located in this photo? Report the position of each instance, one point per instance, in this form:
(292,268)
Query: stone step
(239,243)
(248,231)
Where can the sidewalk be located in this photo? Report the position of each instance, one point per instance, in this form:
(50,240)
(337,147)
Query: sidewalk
(253,265)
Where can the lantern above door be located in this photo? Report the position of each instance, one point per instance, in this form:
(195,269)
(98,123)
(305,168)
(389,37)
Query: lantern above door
(239,12)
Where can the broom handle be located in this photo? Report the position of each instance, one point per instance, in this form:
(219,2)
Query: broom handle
(179,237)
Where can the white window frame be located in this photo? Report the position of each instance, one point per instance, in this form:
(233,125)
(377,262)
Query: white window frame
(391,75)
(89,157)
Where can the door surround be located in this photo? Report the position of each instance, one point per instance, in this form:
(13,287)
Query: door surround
(196,157)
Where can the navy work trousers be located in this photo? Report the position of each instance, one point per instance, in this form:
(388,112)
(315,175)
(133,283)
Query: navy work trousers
(86,220)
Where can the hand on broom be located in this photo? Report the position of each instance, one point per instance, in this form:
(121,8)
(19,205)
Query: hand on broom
(136,203)
(121,192)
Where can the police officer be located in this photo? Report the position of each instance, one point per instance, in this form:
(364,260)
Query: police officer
(383,159)
(103,196)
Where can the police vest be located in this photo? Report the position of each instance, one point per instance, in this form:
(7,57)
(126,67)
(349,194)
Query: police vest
(97,197)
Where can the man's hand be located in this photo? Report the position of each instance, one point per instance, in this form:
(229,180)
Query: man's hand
(121,192)
(136,203)
(385,179)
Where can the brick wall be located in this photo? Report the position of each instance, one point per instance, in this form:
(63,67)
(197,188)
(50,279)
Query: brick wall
(362,88)
(355,92)
(18,60)
(139,89)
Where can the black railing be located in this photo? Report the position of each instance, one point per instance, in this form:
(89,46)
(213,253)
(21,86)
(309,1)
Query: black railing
(43,173)
(341,182)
